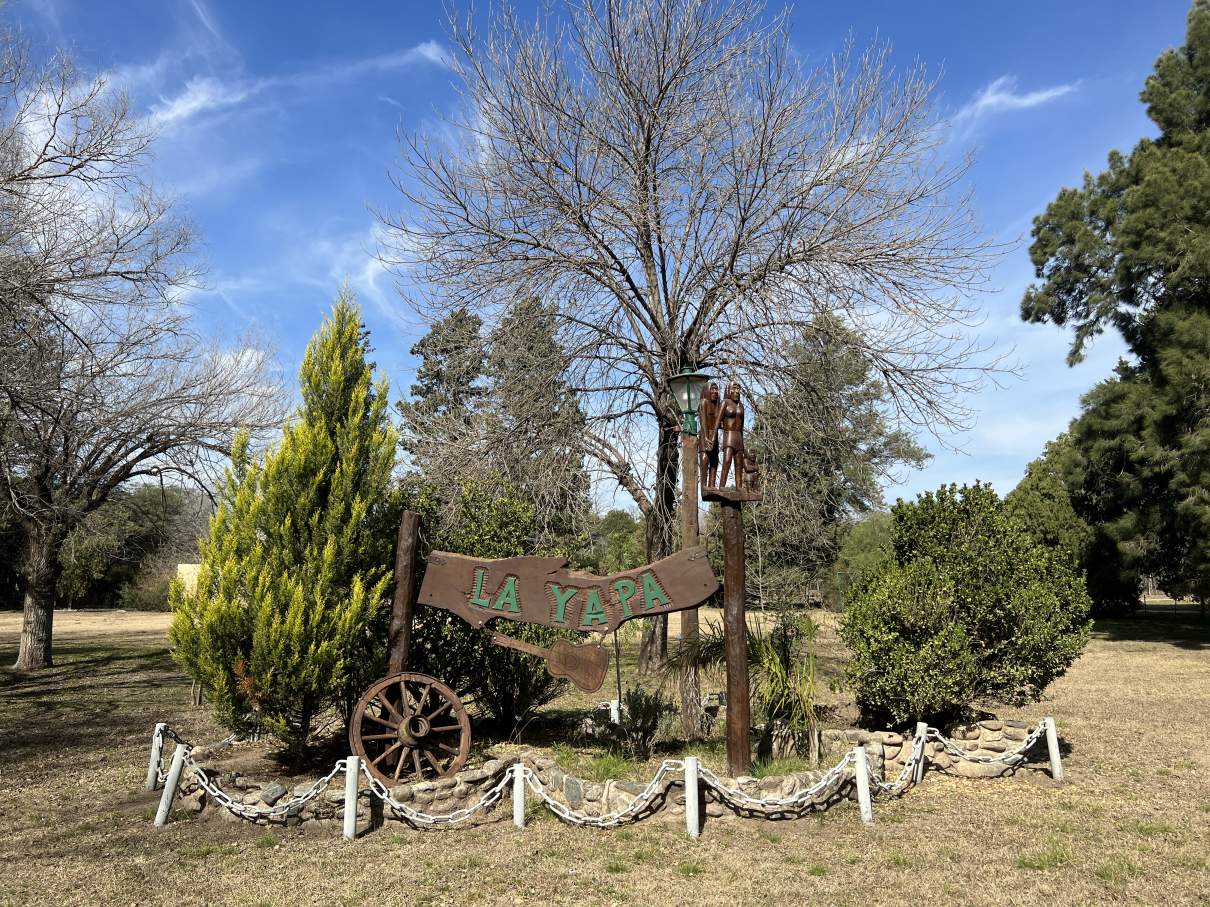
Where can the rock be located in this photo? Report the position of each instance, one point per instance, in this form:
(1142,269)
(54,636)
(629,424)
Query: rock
(228,816)
(541,763)
(424,787)
(890,738)
(249,797)
(573,792)
(991,724)
(554,777)
(854,735)
(715,810)
(472,776)
(334,795)
(402,793)
(593,792)
(195,802)
(444,784)
(993,746)
(273,793)
(493,766)
(301,789)
(421,797)
(631,788)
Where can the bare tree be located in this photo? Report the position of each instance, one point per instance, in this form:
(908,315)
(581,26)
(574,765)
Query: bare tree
(686,193)
(101,379)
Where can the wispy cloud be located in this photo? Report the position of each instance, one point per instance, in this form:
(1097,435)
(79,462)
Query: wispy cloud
(207,20)
(201,94)
(205,94)
(1001,96)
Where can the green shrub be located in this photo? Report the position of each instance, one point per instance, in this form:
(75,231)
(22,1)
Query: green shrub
(642,713)
(971,611)
(296,567)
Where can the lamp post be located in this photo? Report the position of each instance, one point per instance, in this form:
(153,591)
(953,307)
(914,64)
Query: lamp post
(687,388)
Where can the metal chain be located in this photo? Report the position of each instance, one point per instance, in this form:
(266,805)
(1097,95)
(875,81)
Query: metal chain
(609,820)
(251,810)
(735,796)
(906,774)
(419,817)
(1009,757)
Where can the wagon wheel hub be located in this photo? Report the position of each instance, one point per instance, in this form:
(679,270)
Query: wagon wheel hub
(414,729)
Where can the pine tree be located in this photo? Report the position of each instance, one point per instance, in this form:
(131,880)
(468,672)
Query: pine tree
(1130,249)
(297,563)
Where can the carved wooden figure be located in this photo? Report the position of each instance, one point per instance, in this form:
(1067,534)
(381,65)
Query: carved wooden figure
(730,419)
(707,420)
(751,473)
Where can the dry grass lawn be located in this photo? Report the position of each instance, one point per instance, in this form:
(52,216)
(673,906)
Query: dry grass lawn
(1131,826)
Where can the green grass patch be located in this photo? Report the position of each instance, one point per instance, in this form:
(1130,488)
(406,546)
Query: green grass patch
(1051,857)
(689,870)
(616,867)
(1117,872)
(790,765)
(817,870)
(771,836)
(607,767)
(900,859)
(265,841)
(1149,829)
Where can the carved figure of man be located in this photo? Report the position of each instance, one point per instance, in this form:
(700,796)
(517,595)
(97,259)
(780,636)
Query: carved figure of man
(707,439)
(751,473)
(731,419)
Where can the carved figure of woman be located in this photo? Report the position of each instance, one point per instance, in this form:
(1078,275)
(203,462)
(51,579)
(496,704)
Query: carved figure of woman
(707,440)
(731,419)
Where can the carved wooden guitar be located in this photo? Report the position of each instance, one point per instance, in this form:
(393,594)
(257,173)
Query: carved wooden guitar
(584,666)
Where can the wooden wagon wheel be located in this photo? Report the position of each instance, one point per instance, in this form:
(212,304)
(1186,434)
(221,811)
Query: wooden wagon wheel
(410,726)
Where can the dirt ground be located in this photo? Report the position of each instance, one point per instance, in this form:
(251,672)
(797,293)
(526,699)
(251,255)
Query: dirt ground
(1131,826)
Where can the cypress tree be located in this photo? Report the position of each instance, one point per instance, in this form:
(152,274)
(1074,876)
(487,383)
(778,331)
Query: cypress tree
(295,568)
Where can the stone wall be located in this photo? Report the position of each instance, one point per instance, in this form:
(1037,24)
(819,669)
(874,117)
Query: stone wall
(887,752)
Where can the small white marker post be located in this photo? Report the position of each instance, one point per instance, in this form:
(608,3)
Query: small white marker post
(693,818)
(922,732)
(352,776)
(518,771)
(157,752)
(174,778)
(615,711)
(1052,744)
(862,775)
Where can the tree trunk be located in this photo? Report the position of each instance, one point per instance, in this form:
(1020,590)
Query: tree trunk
(40,573)
(661,538)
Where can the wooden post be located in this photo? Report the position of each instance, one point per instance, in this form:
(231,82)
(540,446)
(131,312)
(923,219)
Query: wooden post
(735,628)
(157,753)
(693,817)
(1052,744)
(861,772)
(399,637)
(693,723)
(922,730)
(518,795)
(170,785)
(352,771)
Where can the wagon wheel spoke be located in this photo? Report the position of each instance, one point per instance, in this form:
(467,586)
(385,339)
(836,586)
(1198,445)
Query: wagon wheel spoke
(390,749)
(424,697)
(391,708)
(416,762)
(449,749)
(436,765)
(379,736)
(402,759)
(437,711)
(403,699)
(390,724)
(446,727)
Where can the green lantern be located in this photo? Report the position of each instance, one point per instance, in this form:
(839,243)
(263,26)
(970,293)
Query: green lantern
(687,388)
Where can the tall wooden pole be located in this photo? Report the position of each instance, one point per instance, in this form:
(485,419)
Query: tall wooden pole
(399,637)
(739,719)
(692,723)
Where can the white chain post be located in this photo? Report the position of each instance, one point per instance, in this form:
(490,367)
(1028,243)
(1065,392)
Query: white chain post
(693,819)
(615,711)
(518,771)
(352,773)
(170,785)
(157,752)
(922,733)
(861,769)
(1052,744)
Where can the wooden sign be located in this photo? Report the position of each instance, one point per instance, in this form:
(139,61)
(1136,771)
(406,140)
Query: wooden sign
(541,590)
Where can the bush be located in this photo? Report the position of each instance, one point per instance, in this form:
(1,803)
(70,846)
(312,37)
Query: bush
(641,716)
(971,611)
(296,567)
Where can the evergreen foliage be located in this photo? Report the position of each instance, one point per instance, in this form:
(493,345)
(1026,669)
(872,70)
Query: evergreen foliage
(971,611)
(865,547)
(297,563)
(1131,249)
(825,446)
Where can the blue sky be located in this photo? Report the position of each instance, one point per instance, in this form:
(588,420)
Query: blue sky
(278,123)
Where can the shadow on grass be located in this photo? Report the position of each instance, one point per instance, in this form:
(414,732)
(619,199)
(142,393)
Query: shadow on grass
(1177,630)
